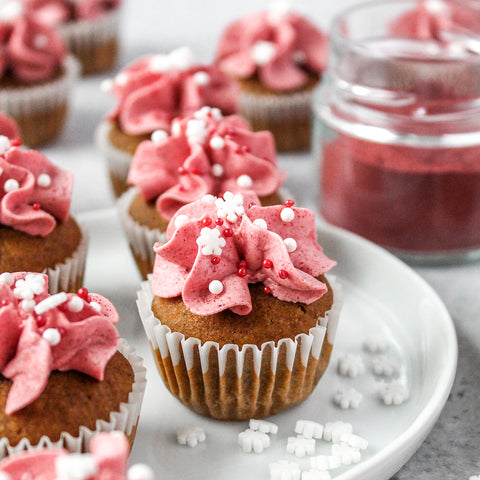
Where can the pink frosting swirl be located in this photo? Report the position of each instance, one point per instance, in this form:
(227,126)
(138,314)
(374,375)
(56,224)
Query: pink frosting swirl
(34,193)
(29,51)
(107,460)
(156,88)
(207,153)
(55,12)
(279,47)
(217,246)
(9,129)
(40,333)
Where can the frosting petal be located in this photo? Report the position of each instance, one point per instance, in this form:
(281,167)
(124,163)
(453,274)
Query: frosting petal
(8,127)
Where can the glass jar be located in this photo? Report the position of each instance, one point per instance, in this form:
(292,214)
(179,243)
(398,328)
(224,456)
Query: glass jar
(398,127)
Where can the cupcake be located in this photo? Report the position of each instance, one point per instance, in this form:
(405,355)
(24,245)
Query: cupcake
(36,75)
(64,374)
(245,324)
(278,57)
(90,28)
(9,129)
(150,93)
(37,232)
(207,153)
(107,458)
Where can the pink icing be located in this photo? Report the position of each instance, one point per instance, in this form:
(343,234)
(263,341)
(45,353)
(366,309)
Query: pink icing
(55,12)
(181,169)
(109,453)
(32,206)
(87,338)
(9,129)
(241,252)
(150,95)
(29,51)
(298,47)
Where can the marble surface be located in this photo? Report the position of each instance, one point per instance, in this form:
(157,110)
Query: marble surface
(450,452)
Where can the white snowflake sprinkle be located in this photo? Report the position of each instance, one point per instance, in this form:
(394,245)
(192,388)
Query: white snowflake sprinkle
(211,241)
(29,287)
(215,287)
(350,365)
(230,207)
(10,185)
(316,475)
(140,471)
(253,441)
(53,301)
(284,470)
(4,144)
(191,436)
(375,343)
(386,366)
(300,446)
(287,214)
(346,453)
(309,429)
(347,397)
(354,441)
(325,462)
(263,52)
(263,426)
(52,336)
(202,79)
(394,393)
(261,223)
(244,181)
(333,431)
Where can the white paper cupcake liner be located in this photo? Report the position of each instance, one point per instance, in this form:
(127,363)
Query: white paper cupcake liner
(40,98)
(235,382)
(124,420)
(118,161)
(68,276)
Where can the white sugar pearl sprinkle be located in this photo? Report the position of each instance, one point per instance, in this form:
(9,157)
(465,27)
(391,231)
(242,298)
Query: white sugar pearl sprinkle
(96,306)
(291,244)
(44,180)
(140,471)
(180,221)
(201,78)
(106,85)
(244,181)
(52,336)
(4,144)
(287,214)
(217,170)
(217,143)
(75,304)
(260,222)
(215,287)
(159,136)
(27,305)
(10,185)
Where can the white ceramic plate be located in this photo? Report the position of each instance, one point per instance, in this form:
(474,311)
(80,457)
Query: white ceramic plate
(381,295)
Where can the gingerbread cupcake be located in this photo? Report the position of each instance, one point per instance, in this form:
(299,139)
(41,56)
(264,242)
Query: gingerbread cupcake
(36,75)
(37,232)
(90,28)
(206,153)
(64,373)
(150,93)
(278,56)
(238,311)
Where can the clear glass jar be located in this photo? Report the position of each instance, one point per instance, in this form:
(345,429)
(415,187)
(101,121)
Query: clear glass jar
(398,127)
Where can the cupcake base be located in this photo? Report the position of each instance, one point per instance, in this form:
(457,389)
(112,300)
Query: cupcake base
(239,383)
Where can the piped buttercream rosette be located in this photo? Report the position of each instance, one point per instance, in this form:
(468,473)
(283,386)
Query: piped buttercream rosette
(217,246)
(41,333)
(155,89)
(34,193)
(207,153)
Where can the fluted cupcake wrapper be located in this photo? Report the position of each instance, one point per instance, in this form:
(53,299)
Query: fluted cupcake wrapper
(40,110)
(238,383)
(124,420)
(141,239)
(118,161)
(68,275)
(287,116)
(94,41)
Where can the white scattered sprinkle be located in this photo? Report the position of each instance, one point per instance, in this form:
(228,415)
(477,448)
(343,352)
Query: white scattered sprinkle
(315,475)
(10,185)
(263,426)
(215,287)
(217,170)
(354,441)
(191,436)
(176,128)
(309,429)
(346,453)
(375,343)
(159,136)
(75,304)
(291,244)
(96,306)
(386,366)
(244,181)
(44,180)
(253,441)
(300,446)
(210,241)
(75,466)
(160,63)
(27,305)
(263,52)
(333,431)
(351,365)
(181,220)
(394,393)
(260,222)
(347,397)
(196,131)
(201,78)
(140,471)
(284,470)
(206,112)
(106,85)
(121,79)
(6,278)
(53,301)
(230,206)
(217,143)
(181,58)
(209,198)
(325,462)
(4,144)
(52,336)
(287,214)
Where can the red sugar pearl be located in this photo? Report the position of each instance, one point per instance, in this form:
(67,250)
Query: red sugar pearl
(215,260)
(251,204)
(41,320)
(219,221)
(267,290)
(15,143)
(36,206)
(182,171)
(227,232)
(245,148)
(4,303)
(267,263)
(206,221)
(289,203)
(283,274)
(195,171)
(83,293)
(242,272)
